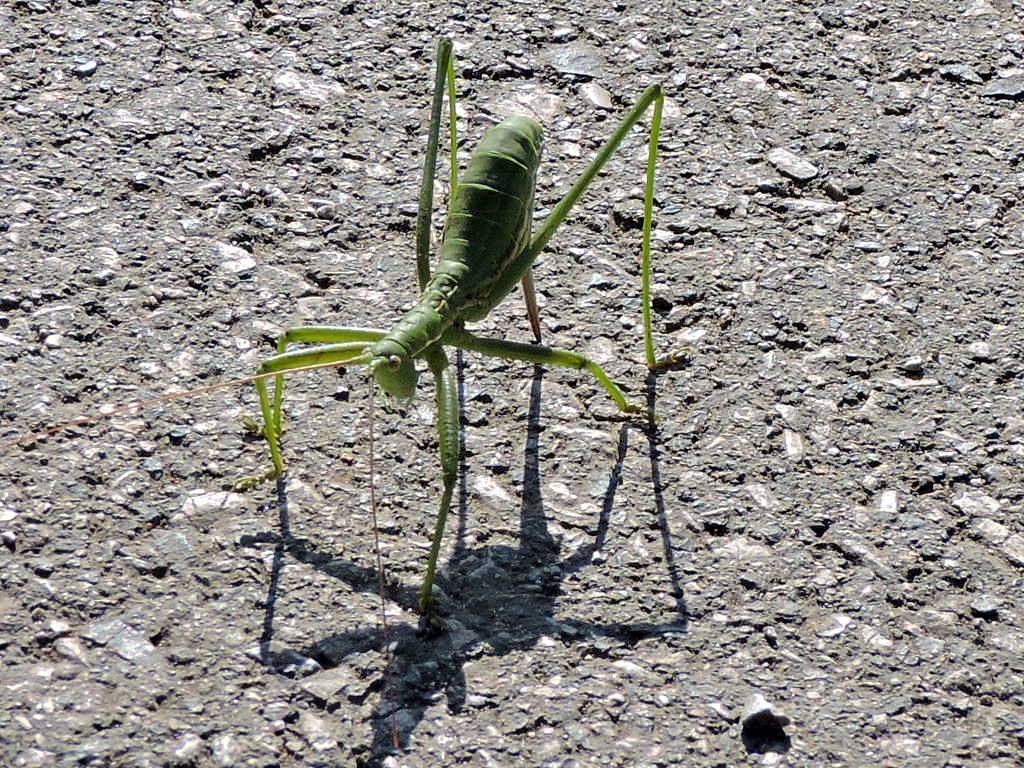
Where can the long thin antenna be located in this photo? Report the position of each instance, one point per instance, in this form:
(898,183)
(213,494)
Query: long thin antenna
(380,573)
(136,405)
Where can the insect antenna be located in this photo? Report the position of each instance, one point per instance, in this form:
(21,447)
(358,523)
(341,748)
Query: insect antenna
(112,412)
(380,571)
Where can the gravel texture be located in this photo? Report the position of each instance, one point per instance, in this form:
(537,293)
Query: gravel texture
(817,558)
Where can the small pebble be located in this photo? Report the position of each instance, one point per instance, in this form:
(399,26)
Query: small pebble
(563,33)
(985,607)
(71,648)
(888,502)
(234,259)
(838,625)
(186,749)
(960,73)
(758,708)
(981,351)
(1013,548)
(1006,88)
(912,365)
(596,95)
(86,68)
(792,165)
(576,59)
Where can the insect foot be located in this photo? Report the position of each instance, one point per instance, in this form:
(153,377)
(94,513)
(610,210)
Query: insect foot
(251,481)
(252,426)
(673,358)
(432,611)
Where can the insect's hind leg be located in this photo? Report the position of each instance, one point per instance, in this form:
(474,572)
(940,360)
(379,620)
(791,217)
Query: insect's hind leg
(653,95)
(443,73)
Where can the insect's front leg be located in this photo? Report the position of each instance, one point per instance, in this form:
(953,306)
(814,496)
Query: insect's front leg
(335,346)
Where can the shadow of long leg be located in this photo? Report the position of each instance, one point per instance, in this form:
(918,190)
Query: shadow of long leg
(582,557)
(277,565)
(459,551)
(534,536)
(653,435)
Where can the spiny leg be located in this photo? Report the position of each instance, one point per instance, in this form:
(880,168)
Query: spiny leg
(335,345)
(314,334)
(533,353)
(445,382)
(654,95)
(448,427)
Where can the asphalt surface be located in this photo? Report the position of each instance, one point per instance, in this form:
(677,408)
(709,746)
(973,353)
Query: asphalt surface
(813,558)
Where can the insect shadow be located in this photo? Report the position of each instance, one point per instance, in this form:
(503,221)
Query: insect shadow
(503,598)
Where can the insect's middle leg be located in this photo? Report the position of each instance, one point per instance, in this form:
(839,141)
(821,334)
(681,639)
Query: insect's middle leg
(448,427)
(534,353)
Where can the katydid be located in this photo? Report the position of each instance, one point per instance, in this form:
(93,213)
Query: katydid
(487,247)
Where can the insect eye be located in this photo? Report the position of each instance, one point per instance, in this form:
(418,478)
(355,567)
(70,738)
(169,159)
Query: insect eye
(394,362)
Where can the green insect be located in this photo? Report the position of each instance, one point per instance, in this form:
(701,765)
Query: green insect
(486,249)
